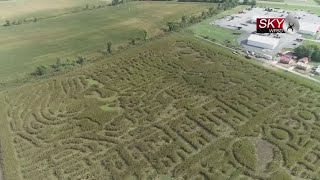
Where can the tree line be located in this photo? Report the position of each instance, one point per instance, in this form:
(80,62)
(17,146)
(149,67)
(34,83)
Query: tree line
(186,21)
(310,51)
(58,66)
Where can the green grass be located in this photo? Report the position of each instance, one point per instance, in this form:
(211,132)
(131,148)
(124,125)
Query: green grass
(306,42)
(306,2)
(25,46)
(290,7)
(220,34)
(307,36)
(20,9)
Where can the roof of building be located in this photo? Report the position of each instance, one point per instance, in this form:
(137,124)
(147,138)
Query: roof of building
(318,69)
(302,65)
(285,59)
(263,39)
(310,27)
(305,60)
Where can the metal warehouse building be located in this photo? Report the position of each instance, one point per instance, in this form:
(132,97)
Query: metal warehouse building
(262,41)
(308,28)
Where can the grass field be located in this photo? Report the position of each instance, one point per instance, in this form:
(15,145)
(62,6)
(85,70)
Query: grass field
(217,33)
(306,2)
(176,106)
(25,46)
(290,7)
(38,8)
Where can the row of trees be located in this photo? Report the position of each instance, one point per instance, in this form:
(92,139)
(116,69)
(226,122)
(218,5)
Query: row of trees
(58,66)
(186,21)
(18,22)
(310,51)
(108,49)
(248,2)
(87,7)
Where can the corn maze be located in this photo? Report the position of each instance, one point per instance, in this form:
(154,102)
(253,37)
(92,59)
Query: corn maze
(176,107)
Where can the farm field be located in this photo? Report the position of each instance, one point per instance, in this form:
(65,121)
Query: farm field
(177,106)
(26,46)
(10,9)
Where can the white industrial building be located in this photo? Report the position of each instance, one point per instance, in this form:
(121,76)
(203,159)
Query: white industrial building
(262,41)
(253,19)
(308,28)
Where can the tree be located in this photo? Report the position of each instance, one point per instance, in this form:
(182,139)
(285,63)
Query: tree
(115,2)
(87,6)
(193,19)
(184,19)
(145,35)
(109,47)
(303,51)
(316,56)
(173,26)
(310,51)
(7,23)
(211,10)
(203,15)
(253,3)
(58,64)
(246,2)
(133,42)
(40,71)
(80,60)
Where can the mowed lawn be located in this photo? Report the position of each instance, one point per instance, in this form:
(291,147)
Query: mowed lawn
(25,46)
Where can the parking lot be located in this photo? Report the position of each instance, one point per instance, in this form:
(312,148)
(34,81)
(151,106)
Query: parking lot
(245,21)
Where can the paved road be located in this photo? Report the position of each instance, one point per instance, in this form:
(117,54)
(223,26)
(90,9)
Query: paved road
(268,62)
(293,4)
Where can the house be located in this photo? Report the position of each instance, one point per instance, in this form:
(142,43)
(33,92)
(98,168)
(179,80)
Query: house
(317,71)
(304,60)
(286,60)
(302,66)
